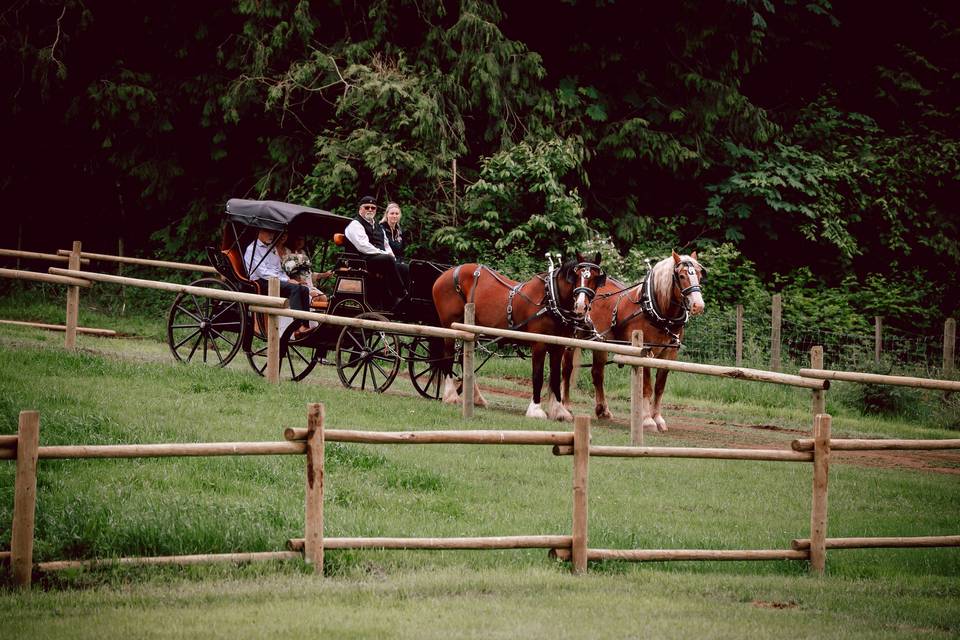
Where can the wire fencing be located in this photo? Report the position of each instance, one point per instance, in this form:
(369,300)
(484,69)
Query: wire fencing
(712,339)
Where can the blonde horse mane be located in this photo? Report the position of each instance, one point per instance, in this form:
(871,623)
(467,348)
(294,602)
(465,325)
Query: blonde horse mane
(663,279)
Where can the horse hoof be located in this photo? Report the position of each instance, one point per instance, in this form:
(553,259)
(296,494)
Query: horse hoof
(478,399)
(649,425)
(661,423)
(535,411)
(603,412)
(562,415)
(450,395)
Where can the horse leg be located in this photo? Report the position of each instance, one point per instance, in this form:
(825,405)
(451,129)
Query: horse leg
(450,395)
(566,370)
(648,422)
(597,371)
(539,352)
(557,410)
(658,396)
(478,399)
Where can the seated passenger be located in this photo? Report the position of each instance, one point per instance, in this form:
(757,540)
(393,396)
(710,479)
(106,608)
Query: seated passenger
(390,223)
(298,266)
(262,263)
(368,238)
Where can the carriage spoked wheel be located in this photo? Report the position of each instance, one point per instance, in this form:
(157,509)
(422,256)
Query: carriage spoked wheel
(206,330)
(425,374)
(368,358)
(298,356)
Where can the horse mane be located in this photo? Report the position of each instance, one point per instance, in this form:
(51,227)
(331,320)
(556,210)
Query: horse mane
(662,279)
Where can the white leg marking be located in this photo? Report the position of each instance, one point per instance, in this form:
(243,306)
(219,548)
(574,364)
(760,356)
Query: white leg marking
(535,411)
(478,399)
(450,395)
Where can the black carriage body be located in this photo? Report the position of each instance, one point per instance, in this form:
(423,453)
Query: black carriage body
(358,291)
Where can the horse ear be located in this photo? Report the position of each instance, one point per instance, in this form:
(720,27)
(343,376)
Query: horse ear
(580,257)
(597,260)
(694,255)
(676,257)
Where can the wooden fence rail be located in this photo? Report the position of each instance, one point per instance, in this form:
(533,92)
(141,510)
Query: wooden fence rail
(875,378)
(163,264)
(310,441)
(34,255)
(20,274)
(173,287)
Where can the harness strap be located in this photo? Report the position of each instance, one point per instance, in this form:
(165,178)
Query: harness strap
(513,292)
(476,279)
(456,283)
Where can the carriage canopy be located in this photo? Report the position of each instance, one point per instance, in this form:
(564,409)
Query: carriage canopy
(283,216)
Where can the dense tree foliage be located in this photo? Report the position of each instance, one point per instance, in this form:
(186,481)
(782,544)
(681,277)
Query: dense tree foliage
(817,142)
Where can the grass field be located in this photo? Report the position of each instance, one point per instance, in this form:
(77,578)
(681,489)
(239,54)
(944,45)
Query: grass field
(128,390)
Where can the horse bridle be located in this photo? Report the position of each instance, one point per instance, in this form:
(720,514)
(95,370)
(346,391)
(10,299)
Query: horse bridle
(553,273)
(588,267)
(684,292)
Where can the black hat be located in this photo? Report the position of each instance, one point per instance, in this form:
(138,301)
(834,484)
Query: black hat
(367,200)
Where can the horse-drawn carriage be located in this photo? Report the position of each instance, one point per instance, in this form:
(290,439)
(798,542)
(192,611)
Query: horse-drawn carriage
(215,331)
(571,298)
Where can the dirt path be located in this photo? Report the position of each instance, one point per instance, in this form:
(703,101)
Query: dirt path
(688,426)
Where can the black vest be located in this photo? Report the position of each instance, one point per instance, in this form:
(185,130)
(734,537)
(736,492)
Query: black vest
(374,233)
(396,244)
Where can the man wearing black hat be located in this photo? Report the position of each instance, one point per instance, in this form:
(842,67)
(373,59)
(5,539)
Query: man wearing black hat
(368,239)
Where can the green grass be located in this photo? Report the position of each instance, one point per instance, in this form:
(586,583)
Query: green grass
(128,390)
(489,603)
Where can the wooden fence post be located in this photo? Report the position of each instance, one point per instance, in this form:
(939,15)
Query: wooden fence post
(949,345)
(73,301)
(581,474)
(775,320)
(25,499)
(819,399)
(469,316)
(637,408)
(818,509)
(877,338)
(739,335)
(273,336)
(313,524)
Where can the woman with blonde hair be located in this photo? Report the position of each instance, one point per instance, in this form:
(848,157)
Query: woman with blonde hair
(390,223)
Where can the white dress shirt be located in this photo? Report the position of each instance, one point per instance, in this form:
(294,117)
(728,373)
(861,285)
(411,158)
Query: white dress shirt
(265,262)
(357,235)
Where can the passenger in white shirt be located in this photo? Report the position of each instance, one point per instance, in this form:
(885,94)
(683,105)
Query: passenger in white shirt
(262,263)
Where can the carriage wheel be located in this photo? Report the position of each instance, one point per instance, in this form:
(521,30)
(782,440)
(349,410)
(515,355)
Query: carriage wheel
(367,358)
(205,330)
(425,374)
(297,357)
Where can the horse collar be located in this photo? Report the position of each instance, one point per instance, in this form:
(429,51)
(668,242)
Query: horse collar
(648,302)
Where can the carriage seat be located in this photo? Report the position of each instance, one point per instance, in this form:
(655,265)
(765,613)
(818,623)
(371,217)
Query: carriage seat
(229,264)
(350,261)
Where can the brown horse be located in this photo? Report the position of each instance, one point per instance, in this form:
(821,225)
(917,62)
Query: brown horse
(551,303)
(659,307)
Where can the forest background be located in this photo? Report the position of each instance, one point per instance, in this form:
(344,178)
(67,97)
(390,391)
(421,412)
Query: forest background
(799,147)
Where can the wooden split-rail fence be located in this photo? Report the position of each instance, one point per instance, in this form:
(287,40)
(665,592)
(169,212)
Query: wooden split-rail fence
(634,355)
(25,449)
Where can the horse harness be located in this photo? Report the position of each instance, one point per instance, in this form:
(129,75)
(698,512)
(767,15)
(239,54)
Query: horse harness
(547,305)
(647,304)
